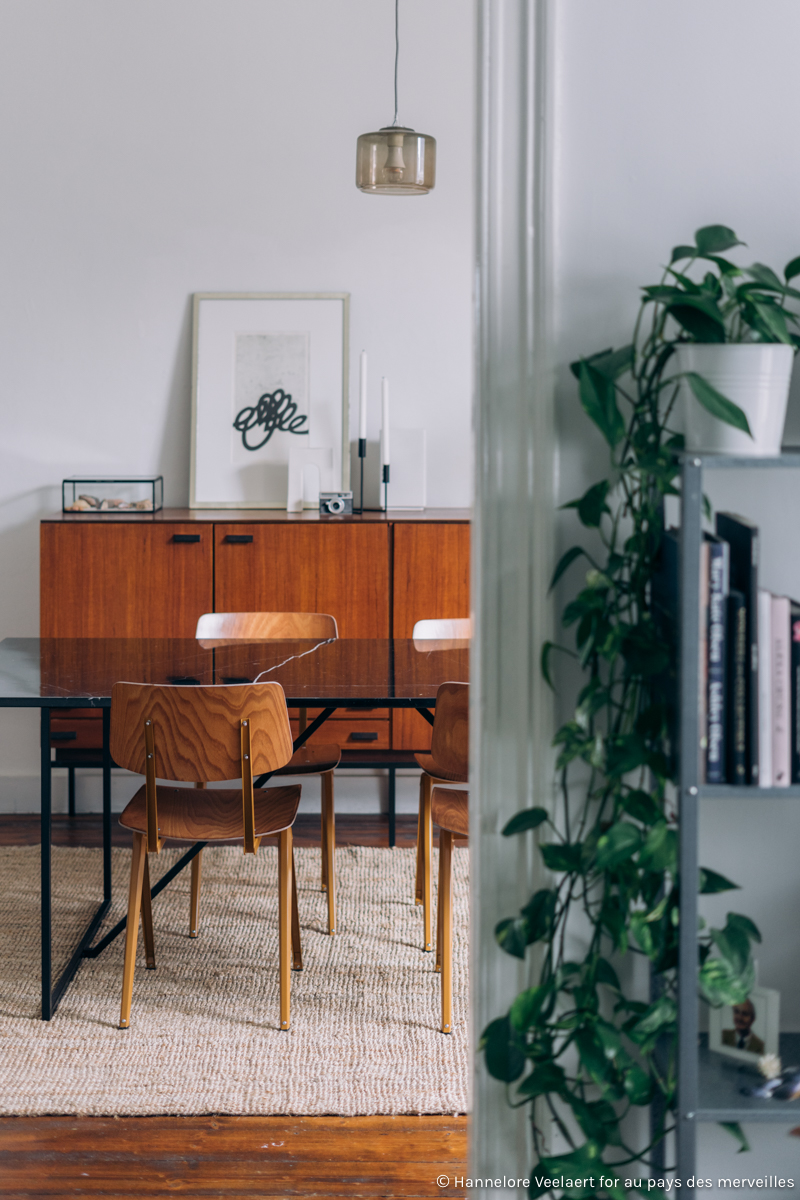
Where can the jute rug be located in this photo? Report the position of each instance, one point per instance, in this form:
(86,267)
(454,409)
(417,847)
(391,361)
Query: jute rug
(364,1035)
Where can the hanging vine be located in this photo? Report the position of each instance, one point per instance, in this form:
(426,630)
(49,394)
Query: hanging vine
(577,1039)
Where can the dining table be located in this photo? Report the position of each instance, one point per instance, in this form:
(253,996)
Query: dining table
(318,675)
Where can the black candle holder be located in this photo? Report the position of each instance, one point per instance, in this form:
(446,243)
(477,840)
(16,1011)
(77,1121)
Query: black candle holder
(385,477)
(362,454)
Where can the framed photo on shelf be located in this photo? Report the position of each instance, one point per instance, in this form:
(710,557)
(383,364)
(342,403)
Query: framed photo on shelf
(746,1031)
(270,372)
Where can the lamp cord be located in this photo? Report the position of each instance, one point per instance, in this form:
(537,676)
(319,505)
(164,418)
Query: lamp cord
(396,53)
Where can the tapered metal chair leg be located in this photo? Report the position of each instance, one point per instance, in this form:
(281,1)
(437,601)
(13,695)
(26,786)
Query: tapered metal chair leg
(147,917)
(427,842)
(285,921)
(439,918)
(297,950)
(194,906)
(446,909)
(329,848)
(418,889)
(132,927)
(323,833)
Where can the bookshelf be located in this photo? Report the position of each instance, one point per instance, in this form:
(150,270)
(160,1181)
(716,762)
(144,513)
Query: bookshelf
(708,1084)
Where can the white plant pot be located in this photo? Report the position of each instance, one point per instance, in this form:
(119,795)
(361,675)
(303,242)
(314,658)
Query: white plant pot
(754,376)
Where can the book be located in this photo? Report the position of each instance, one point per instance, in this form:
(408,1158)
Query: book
(794,620)
(719,587)
(736,689)
(764,688)
(664,603)
(743,538)
(781,693)
(702,674)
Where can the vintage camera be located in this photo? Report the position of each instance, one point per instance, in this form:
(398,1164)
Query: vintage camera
(335,504)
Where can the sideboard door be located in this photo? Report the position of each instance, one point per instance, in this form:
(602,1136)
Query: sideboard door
(124,578)
(430,580)
(341,569)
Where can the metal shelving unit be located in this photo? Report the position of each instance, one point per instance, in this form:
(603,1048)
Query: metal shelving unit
(708,1086)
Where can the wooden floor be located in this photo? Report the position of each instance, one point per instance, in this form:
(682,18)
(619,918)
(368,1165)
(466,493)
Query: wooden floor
(231,1157)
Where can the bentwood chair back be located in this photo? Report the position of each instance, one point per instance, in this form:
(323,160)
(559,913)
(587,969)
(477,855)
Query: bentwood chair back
(199,735)
(311,759)
(433,634)
(265,625)
(450,812)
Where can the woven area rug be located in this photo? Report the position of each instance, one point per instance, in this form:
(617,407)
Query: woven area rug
(364,1035)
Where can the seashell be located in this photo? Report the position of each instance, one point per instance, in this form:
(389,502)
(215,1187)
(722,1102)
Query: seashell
(144,505)
(79,506)
(91,501)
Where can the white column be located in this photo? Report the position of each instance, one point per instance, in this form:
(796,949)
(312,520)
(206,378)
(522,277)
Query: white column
(511,724)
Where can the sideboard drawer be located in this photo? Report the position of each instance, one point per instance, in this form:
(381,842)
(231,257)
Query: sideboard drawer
(76,732)
(351,735)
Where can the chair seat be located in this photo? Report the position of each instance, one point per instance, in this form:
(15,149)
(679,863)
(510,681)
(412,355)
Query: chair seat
(312,760)
(429,766)
(212,814)
(450,810)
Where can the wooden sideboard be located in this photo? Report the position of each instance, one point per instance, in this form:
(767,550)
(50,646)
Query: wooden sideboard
(125,576)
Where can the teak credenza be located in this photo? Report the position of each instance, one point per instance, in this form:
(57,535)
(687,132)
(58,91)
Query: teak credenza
(153,576)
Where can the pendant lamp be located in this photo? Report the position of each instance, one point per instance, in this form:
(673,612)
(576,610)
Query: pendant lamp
(396,161)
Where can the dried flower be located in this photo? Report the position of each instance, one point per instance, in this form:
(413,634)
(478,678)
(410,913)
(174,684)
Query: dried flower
(770,1066)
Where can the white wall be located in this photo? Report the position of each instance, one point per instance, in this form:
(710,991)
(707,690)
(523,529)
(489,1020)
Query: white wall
(670,117)
(154,148)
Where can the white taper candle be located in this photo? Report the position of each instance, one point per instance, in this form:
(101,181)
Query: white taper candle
(384,422)
(362,398)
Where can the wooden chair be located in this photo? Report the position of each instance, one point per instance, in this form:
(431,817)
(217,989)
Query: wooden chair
(214,629)
(450,812)
(447,630)
(200,735)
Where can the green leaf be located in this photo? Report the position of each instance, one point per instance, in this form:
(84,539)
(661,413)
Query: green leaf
(527,1007)
(565,562)
(504,1059)
(764,275)
(599,399)
(700,317)
(769,320)
(720,983)
(644,650)
(511,935)
(738,921)
(544,664)
(579,1165)
(640,928)
(540,913)
(660,851)
(560,857)
(592,505)
(605,973)
(736,1132)
(680,252)
(545,1077)
(711,882)
(642,806)
(657,1018)
(791,269)
(718,405)
(529,818)
(592,1054)
(714,239)
(618,843)
(613,363)
(638,1086)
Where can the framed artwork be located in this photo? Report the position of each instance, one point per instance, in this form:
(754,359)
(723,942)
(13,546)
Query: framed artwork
(270,372)
(746,1031)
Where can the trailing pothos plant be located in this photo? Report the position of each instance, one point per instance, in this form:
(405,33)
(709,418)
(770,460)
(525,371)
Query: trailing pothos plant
(577,1039)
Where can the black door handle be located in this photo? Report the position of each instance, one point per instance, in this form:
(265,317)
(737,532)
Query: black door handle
(238,537)
(63,737)
(363,737)
(186,537)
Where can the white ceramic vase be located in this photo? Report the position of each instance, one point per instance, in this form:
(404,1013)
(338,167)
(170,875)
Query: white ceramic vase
(756,376)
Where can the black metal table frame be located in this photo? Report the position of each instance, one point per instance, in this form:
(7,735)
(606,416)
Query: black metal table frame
(52,994)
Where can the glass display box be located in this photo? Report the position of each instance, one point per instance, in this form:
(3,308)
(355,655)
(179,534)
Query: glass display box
(105,495)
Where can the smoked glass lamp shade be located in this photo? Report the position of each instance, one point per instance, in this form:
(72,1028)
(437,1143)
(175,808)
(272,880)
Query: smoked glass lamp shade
(396,161)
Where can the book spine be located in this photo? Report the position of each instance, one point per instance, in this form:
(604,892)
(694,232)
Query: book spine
(702,699)
(764,660)
(717,661)
(752,635)
(781,693)
(795,655)
(737,689)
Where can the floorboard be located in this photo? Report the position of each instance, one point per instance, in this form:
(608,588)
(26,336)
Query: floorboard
(234,1157)
(239,1158)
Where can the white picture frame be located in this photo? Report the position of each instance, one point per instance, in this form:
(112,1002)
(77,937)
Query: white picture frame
(765,1028)
(269,370)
